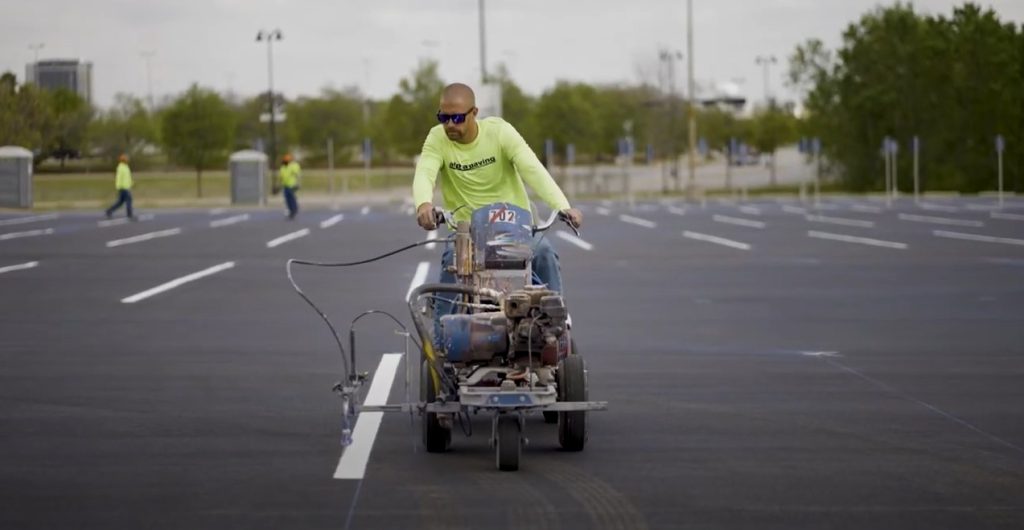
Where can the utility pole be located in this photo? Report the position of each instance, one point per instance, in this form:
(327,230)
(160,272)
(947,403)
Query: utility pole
(148,56)
(270,37)
(692,184)
(483,45)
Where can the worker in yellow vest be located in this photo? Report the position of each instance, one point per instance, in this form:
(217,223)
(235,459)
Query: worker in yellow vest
(290,176)
(123,184)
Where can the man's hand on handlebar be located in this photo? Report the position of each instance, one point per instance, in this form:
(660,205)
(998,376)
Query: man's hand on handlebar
(426,217)
(574,217)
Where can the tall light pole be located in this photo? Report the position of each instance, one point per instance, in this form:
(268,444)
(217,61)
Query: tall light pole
(35,48)
(270,37)
(483,45)
(148,56)
(766,61)
(670,57)
(692,184)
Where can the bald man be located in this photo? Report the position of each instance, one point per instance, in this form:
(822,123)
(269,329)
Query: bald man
(483,162)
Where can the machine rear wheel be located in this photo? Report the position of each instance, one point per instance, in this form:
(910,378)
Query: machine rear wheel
(508,443)
(436,438)
(572,386)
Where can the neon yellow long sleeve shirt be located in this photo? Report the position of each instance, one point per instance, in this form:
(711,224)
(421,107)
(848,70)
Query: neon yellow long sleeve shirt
(123,180)
(492,169)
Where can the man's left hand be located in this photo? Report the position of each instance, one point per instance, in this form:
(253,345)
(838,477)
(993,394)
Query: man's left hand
(575,217)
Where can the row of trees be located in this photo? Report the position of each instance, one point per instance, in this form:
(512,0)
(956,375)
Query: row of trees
(200,127)
(954,82)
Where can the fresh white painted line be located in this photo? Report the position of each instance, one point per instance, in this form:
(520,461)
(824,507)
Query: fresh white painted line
(978,237)
(122,221)
(19,267)
(287,237)
(27,233)
(352,464)
(820,353)
(229,220)
(716,239)
(737,221)
(940,220)
(675,210)
(794,209)
(418,277)
(30,219)
(327,223)
(143,237)
(177,282)
(217,211)
(826,206)
(1007,216)
(574,240)
(982,207)
(602,211)
(750,210)
(365,210)
(431,235)
(938,207)
(637,221)
(865,208)
(840,221)
(854,239)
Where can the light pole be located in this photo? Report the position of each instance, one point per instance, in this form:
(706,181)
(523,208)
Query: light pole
(35,48)
(692,181)
(483,45)
(670,58)
(148,56)
(766,61)
(270,37)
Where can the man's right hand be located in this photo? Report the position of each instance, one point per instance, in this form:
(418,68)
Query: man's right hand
(425,216)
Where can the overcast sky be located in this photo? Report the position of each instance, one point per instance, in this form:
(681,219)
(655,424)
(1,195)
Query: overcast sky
(374,43)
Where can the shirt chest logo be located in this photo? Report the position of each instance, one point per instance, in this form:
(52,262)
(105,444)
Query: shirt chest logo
(472,165)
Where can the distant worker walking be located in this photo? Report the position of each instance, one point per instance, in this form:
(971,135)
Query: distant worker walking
(123,185)
(290,177)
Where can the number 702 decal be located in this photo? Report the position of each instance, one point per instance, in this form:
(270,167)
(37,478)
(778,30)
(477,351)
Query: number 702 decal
(501,216)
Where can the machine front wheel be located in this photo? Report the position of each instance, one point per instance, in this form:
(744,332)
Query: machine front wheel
(508,442)
(436,438)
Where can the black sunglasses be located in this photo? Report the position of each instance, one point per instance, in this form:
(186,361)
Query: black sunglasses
(455,118)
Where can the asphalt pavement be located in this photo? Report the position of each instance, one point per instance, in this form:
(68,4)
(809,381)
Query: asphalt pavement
(768,364)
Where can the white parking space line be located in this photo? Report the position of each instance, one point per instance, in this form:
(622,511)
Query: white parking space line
(637,221)
(840,221)
(229,220)
(602,211)
(794,209)
(27,233)
(571,238)
(826,206)
(938,207)
(750,210)
(739,221)
(431,235)
(939,220)
(978,237)
(982,207)
(418,277)
(143,237)
(352,464)
(333,220)
(865,208)
(715,239)
(19,267)
(287,237)
(855,239)
(177,282)
(365,210)
(675,210)
(30,219)
(217,211)
(122,221)
(1007,216)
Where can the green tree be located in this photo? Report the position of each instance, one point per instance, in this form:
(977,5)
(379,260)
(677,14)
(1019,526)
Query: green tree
(68,132)
(410,113)
(127,127)
(567,115)
(198,129)
(335,114)
(772,127)
(24,115)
